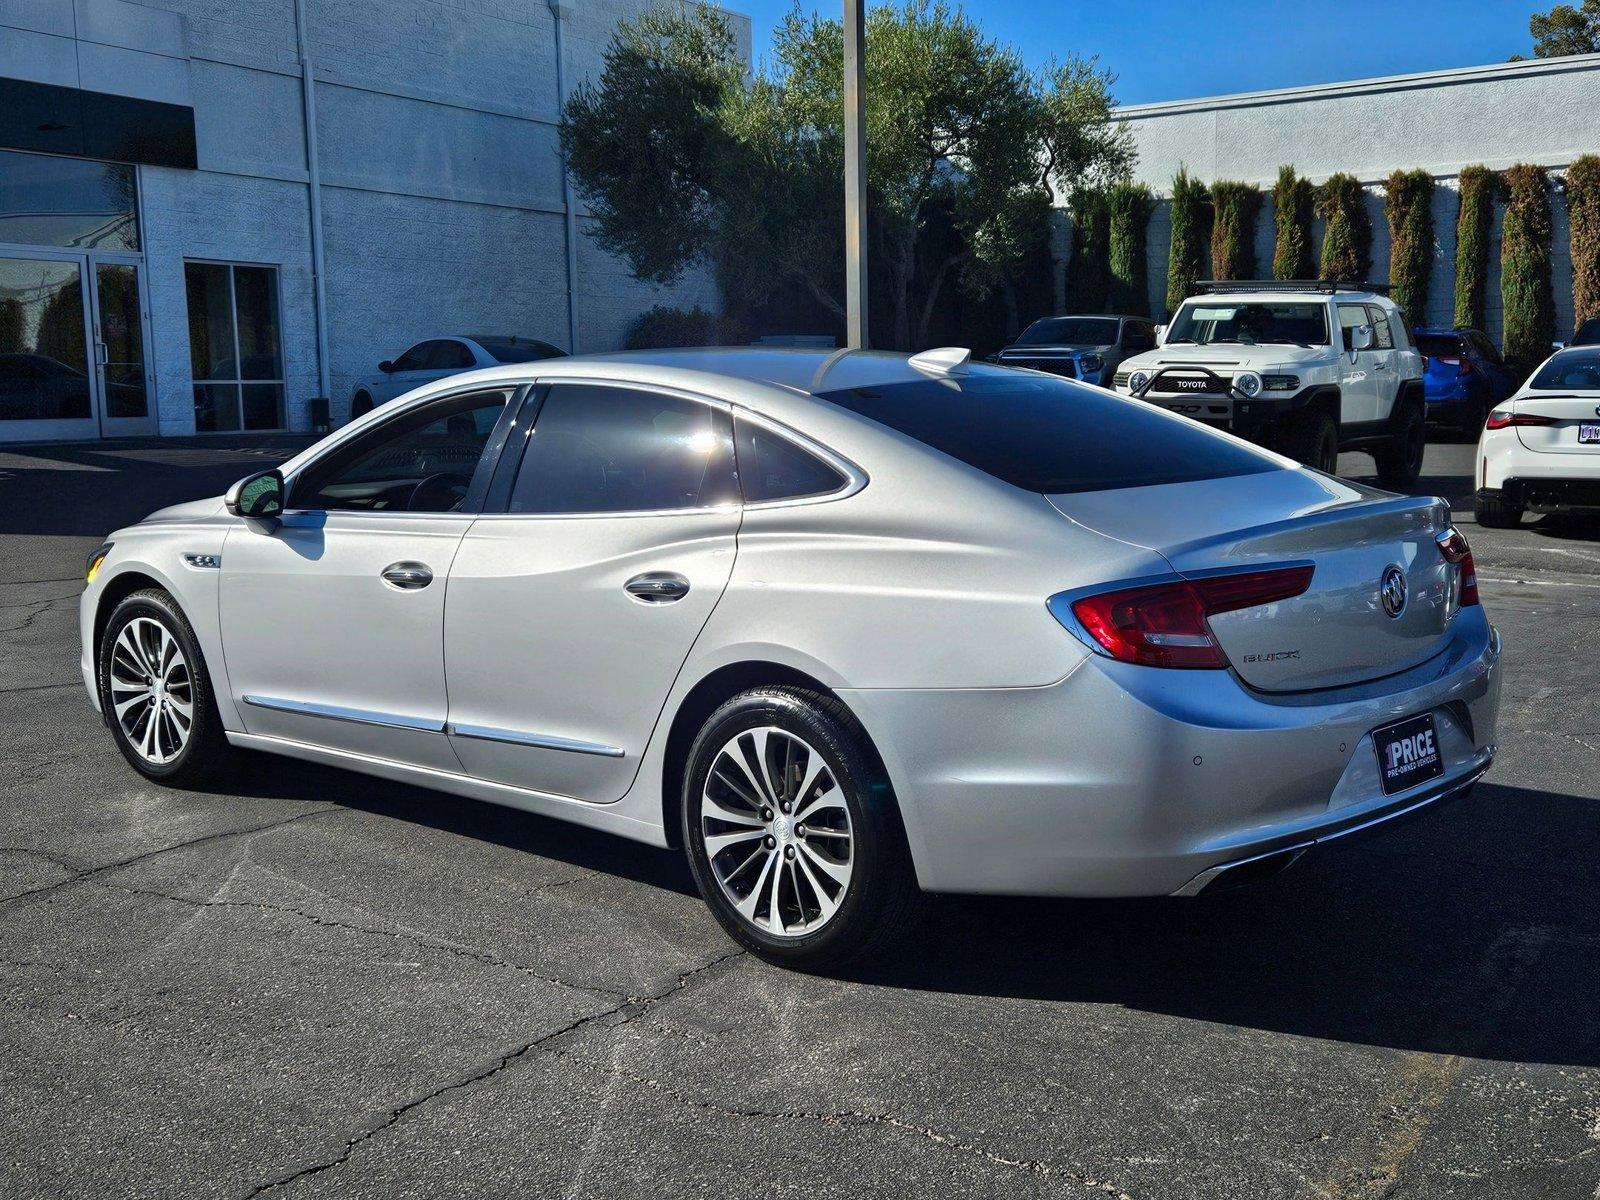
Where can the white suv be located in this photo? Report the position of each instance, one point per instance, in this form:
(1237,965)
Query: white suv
(1306,368)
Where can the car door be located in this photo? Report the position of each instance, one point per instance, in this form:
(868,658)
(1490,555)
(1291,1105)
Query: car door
(572,611)
(1358,383)
(1387,365)
(333,616)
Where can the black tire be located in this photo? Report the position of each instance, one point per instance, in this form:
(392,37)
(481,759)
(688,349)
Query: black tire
(204,755)
(1399,456)
(880,902)
(1311,437)
(360,405)
(1496,512)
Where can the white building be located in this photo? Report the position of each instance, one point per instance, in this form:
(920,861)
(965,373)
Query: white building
(1541,111)
(178,177)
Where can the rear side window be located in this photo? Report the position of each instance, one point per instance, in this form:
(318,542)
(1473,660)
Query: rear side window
(1382,339)
(449,355)
(771,467)
(598,449)
(1048,435)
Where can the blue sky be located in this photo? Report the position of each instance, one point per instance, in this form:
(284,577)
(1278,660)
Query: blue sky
(1173,49)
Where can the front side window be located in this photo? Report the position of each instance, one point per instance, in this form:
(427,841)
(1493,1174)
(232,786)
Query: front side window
(450,356)
(1351,318)
(422,461)
(1048,435)
(771,467)
(234,346)
(416,358)
(1250,323)
(601,449)
(1382,338)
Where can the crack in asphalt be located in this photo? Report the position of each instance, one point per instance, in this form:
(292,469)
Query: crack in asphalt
(398,934)
(39,607)
(93,872)
(632,1006)
(41,687)
(1039,1167)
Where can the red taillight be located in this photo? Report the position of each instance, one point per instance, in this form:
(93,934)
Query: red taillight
(1164,625)
(1453,545)
(1501,417)
(1462,366)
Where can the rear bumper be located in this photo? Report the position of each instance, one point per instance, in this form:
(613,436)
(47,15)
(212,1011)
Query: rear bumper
(1131,781)
(1549,494)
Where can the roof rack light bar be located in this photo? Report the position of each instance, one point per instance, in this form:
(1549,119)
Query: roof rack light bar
(1325,286)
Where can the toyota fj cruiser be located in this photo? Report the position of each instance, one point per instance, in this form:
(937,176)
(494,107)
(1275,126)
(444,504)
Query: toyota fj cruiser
(1306,368)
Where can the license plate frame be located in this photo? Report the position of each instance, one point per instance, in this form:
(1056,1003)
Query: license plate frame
(1408,753)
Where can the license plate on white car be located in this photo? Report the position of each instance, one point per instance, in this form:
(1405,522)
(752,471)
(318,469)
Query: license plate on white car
(1408,753)
(1589,435)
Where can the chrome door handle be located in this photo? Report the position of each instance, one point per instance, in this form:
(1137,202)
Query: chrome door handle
(657,587)
(408,576)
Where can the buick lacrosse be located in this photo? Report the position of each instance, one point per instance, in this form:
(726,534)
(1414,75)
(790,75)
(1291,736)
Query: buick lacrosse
(845,627)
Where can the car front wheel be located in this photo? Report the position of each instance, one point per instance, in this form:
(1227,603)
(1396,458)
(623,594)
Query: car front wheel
(793,835)
(156,693)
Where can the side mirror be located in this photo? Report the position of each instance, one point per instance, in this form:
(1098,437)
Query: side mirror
(258,497)
(1361,337)
(386,366)
(1161,334)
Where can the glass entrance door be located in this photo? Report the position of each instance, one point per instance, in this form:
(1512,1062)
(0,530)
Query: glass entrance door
(73,360)
(122,372)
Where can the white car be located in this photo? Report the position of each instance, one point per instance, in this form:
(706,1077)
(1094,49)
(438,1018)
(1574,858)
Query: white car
(844,626)
(440,357)
(1303,367)
(1540,450)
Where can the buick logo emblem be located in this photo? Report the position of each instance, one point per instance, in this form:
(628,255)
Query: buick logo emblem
(1392,590)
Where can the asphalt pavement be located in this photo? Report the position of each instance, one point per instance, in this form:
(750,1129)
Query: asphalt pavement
(317,984)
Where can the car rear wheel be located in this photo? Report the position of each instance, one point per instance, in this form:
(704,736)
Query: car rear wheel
(792,833)
(1399,457)
(1313,439)
(1496,512)
(156,693)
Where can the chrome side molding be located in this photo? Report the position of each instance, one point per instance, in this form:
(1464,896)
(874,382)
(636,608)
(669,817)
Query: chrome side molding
(541,741)
(335,712)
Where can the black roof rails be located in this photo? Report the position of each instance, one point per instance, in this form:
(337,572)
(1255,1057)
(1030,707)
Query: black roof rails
(1325,286)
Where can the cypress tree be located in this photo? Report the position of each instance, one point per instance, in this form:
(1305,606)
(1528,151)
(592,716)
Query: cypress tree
(1293,205)
(1191,237)
(1233,229)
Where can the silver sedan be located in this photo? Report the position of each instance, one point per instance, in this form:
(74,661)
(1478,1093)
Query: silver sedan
(847,628)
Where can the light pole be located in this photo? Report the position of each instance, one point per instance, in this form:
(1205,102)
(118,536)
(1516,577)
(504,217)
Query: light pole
(855,175)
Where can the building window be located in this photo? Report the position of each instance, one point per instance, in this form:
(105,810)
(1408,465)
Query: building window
(234,347)
(47,201)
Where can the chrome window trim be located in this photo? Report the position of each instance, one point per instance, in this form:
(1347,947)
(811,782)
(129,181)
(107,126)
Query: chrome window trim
(336,712)
(541,741)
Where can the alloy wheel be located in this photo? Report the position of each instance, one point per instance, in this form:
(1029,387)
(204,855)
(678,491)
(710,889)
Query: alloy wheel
(777,832)
(152,690)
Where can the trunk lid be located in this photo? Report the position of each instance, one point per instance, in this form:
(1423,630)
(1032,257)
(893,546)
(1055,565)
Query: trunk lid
(1338,632)
(1568,410)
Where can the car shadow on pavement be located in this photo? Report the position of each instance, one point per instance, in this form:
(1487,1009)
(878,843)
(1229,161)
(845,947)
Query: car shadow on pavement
(1421,939)
(1429,938)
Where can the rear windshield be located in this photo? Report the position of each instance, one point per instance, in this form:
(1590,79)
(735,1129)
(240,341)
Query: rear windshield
(1048,435)
(1569,370)
(1438,346)
(1070,331)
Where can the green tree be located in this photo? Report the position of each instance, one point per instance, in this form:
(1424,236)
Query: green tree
(1089,269)
(1293,205)
(1583,211)
(1480,187)
(1130,205)
(1233,229)
(685,159)
(1190,216)
(1408,204)
(1566,30)
(1347,236)
(1530,310)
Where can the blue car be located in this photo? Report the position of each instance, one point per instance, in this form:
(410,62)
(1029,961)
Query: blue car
(1462,379)
(1089,348)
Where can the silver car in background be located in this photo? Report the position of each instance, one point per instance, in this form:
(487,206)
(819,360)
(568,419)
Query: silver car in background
(845,627)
